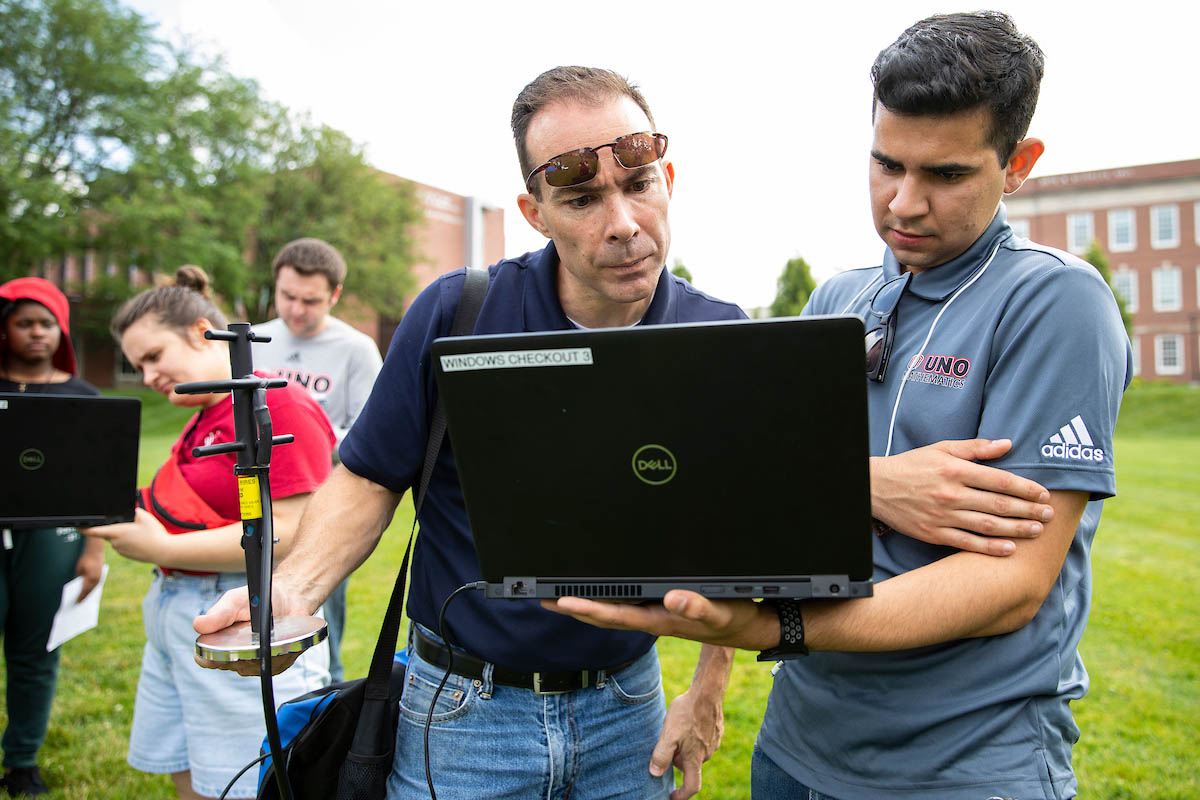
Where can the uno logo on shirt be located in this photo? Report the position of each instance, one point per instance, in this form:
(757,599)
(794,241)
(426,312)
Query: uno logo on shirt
(654,464)
(939,370)
(31,459)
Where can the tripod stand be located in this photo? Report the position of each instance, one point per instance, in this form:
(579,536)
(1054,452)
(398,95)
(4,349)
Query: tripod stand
(264,636)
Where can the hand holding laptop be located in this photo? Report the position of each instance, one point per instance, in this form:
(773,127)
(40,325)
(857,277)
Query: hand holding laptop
(687,615)
(144,539)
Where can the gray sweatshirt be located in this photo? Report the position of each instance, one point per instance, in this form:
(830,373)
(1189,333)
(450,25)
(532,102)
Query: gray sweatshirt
(337,366)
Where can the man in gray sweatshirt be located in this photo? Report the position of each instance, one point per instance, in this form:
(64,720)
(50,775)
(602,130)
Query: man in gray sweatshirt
(336,363)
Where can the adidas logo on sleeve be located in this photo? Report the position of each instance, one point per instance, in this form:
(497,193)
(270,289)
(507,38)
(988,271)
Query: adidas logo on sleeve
(1073,442)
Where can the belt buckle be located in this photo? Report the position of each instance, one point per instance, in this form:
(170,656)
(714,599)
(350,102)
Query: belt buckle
(537,684)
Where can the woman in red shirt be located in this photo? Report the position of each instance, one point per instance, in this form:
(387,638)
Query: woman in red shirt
(201,726)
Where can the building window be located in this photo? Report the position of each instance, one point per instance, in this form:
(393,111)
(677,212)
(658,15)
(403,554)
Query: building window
(1196,221)
(1122,235)
(1080,232)
(1168,289)
(1135,347)
(1020,227)
(1125,284)
(1164,226)
(1168,354)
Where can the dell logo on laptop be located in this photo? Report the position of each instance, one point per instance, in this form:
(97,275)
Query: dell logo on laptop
(653,464)
(31,458)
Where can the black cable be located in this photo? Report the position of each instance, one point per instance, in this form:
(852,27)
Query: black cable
(449,668)
(242,772)
(274,747)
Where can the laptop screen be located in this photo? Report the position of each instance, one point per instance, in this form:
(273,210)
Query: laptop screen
(67,460)
(707,456)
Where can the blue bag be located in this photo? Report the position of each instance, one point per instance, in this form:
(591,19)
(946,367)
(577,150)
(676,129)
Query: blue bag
(296,715)
(317,730)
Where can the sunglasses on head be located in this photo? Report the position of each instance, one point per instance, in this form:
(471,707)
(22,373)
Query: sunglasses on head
(579,166)
(884,308)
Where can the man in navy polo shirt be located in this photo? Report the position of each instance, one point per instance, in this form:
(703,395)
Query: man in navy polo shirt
(954,680)
(597,186)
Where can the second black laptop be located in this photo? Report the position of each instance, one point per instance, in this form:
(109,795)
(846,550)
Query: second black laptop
(67,460)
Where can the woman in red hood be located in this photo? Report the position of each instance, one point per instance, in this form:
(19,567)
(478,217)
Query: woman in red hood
(36,358)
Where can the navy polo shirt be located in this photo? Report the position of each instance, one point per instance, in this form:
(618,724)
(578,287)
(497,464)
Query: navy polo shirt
(387,446)
(1009,340)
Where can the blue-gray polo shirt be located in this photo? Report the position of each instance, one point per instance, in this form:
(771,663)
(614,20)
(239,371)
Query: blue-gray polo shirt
(387,446)
(1009,340)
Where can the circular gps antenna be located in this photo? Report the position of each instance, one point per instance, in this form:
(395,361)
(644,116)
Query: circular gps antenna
(238,643)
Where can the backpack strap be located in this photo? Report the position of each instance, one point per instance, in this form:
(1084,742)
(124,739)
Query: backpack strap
(474,290)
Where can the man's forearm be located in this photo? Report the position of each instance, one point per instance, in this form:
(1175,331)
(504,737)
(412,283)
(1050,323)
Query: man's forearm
(712,670)
(339,529)
(961,596)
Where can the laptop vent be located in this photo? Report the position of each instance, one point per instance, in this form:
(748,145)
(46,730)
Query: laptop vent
(597,590)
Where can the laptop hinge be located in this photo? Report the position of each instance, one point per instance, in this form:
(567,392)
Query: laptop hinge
(830,585)
(520,587)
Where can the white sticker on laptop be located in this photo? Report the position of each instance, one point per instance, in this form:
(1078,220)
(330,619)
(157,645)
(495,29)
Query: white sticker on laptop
(509,359)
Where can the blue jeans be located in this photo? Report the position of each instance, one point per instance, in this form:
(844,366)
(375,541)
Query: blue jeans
(335,617)
(768,781)
(499,742)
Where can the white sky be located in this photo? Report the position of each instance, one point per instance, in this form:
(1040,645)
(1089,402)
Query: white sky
(428,88)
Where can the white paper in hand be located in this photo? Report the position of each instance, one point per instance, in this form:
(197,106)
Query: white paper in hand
(73,617)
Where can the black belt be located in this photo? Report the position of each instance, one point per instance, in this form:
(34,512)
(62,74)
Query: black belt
(468,666)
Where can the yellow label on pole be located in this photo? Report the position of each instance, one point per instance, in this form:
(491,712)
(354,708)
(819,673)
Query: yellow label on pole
(249,498)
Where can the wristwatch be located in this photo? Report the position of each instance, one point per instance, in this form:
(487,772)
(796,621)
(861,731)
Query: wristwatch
(791,632)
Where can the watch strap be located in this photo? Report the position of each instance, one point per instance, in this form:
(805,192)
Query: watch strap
(791,632)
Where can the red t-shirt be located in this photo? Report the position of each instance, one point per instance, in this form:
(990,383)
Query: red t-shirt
(296,468)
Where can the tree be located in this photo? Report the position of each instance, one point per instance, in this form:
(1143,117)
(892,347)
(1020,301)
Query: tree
(193,189)
(792,289)
(151,156)
(321,186)
(72,79)
(1095,256)
(680,271)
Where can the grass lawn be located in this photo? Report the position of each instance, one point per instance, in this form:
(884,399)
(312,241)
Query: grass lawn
(1142,646)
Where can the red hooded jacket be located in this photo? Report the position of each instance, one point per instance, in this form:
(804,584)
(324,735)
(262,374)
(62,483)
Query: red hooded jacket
(49,295)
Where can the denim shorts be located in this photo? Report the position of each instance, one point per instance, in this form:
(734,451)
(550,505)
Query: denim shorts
(207,721)
(503,743)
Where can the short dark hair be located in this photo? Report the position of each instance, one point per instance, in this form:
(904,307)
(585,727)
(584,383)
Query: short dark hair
(949,63)
(589,85)
(177,305)
(313,257)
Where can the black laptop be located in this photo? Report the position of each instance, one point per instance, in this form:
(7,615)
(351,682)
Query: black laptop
(67,460)
(729,458)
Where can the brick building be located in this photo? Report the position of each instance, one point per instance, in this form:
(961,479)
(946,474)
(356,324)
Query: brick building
(456,231)
(1147,221)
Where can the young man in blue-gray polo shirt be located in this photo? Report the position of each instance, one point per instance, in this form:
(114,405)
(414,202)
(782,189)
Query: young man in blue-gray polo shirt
(954,680)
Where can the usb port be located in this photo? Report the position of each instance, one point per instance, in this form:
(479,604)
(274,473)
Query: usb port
(743,589)
(770,590)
